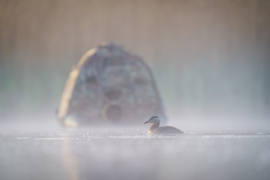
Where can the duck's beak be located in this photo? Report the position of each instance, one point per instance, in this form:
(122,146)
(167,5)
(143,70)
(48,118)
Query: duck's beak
(146,122)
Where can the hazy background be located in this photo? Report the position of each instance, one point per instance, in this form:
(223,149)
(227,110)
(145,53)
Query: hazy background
(211,59)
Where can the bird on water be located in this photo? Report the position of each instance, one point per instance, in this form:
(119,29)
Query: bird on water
(155,129)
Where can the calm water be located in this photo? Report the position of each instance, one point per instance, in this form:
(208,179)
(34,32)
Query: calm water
(132,154)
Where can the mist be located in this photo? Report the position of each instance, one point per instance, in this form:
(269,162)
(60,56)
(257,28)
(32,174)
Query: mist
(210,61)
(209,58)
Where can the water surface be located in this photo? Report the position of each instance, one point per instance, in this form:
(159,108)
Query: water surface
(131,154)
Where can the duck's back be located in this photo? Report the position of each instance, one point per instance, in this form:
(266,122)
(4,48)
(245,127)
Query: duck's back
(167,130)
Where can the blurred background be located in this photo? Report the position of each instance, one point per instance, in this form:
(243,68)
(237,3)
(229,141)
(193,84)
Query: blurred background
(210,59)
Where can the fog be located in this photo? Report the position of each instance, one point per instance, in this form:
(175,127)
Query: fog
(211,64)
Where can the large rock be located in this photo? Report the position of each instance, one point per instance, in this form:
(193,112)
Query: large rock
(109,85)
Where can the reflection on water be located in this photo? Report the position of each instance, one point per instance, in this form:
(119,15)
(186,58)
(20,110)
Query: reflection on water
(126,154)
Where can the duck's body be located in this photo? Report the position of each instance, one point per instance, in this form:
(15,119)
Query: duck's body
(155,129)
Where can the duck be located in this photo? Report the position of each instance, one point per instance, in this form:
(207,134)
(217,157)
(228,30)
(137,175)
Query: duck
(156,130)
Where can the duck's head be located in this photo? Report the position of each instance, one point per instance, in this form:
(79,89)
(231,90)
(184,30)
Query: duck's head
(153,119)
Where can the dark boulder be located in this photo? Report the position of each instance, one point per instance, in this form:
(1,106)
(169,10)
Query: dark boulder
(109,85)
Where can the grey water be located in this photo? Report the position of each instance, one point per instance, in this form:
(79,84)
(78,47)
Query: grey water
(126,153)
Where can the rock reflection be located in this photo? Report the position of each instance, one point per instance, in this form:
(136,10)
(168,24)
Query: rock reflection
(69,161)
